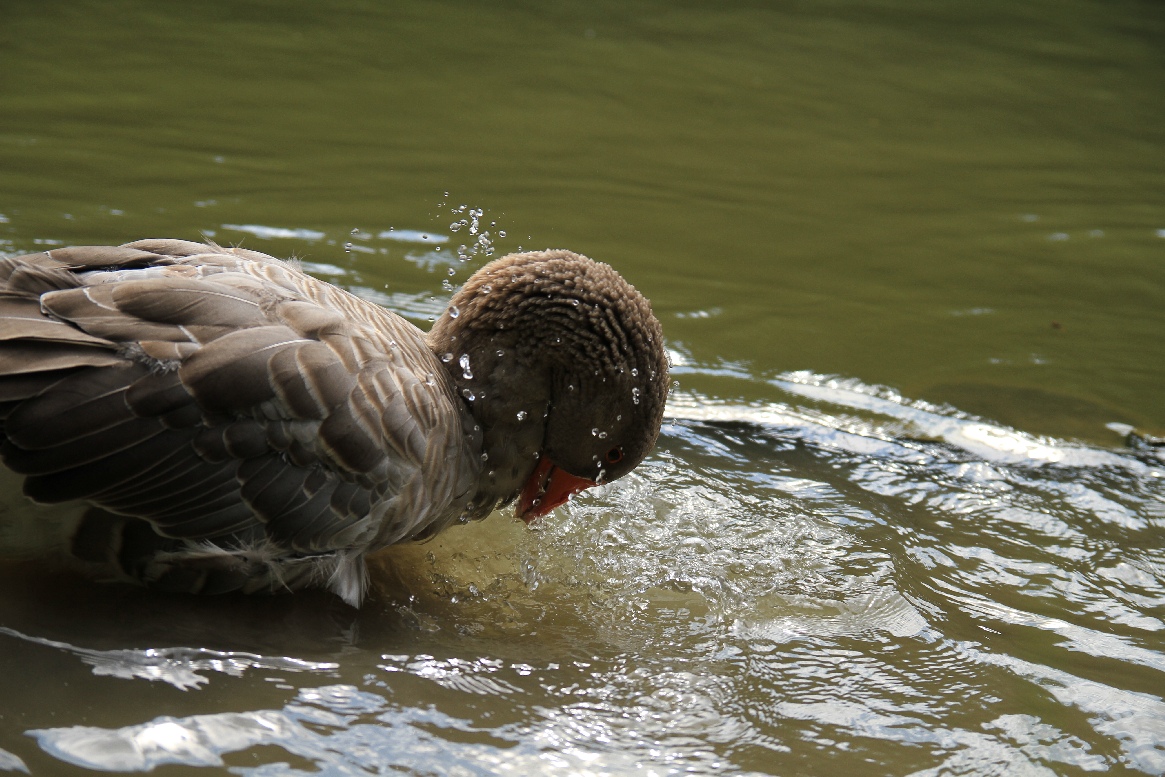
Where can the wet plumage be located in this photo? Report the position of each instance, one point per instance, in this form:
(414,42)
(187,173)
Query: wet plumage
(239,425)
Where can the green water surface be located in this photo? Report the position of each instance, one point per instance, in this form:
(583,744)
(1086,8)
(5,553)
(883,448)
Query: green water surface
(960,202)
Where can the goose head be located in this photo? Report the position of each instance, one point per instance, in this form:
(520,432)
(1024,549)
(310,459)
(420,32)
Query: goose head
(561,364)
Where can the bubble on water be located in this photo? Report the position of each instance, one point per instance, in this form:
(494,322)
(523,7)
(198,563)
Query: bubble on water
(501,233)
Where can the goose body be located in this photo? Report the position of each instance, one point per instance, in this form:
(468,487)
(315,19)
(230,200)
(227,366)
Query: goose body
(236,424)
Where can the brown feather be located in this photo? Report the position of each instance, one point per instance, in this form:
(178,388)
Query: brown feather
(259,428)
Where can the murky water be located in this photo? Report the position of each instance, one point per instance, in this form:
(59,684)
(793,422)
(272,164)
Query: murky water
(910,261)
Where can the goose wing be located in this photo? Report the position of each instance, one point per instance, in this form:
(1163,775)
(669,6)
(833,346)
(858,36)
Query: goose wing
(222,395)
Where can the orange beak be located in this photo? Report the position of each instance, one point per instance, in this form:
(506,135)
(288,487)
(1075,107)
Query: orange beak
(547,488)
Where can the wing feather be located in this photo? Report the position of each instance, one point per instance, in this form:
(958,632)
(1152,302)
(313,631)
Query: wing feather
(221,395)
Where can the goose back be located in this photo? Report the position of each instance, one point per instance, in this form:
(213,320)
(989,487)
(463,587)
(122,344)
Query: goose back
(256,419)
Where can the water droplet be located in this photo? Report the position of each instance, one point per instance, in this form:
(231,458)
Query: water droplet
(594,432)
(602,435)
(501,233)
(634,372)
(465,371)
(635,395)
(454,312)
(446,357)
(452,270)
(468,394)
(619,417)
(347,248)
(570,387)
(430,379)
(484,456)
(486,289)
(501,352)
(522,415)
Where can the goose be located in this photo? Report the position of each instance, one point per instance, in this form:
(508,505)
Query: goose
(234,424)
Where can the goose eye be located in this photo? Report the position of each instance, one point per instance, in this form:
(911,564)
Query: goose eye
(614,456)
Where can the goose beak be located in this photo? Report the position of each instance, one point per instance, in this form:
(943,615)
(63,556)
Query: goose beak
(547,488)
